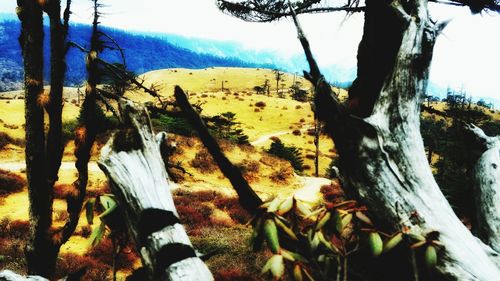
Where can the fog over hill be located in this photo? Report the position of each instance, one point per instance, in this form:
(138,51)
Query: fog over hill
(146,51)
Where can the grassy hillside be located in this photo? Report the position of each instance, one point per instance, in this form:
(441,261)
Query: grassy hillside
(204,198)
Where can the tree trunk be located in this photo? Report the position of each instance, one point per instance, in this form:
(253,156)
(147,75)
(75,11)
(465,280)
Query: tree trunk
(383,161)
(133,164)
(40,252)
(487,187)
(385,166)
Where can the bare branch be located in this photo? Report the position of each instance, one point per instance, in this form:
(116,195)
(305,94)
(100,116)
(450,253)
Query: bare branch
(247,197)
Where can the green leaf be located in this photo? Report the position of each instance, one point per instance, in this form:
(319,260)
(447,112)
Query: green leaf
(271,233)
(89,210)
(285,229)
(108,203)
(97,235)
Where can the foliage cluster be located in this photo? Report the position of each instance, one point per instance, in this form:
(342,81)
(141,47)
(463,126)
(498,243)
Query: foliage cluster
(289,153)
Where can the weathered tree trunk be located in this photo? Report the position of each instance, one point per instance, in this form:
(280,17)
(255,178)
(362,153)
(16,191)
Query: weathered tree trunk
(383,161)
(40,251)
(133,164)
(487,187)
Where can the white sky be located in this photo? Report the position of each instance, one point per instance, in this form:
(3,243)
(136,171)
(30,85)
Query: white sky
(467,54)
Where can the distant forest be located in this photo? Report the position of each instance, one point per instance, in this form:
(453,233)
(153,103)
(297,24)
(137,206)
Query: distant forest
(143,53)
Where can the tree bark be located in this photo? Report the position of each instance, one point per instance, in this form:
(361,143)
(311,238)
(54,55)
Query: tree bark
(246,195)
(487,187)
(133,164)
(383,161)
(40,251)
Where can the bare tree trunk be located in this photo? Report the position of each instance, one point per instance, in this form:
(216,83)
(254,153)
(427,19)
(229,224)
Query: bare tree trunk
(40,251)
(487,187)
(383,160)
(317,132)
(133,164)
(246,195)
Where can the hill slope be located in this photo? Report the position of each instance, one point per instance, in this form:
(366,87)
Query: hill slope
(143,53)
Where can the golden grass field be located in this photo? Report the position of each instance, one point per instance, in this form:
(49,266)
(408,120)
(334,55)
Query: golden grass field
(279,117)
(225,228)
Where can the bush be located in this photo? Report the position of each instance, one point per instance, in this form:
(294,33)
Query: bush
(233,207)
(15,229)
(71,263)
(260,104)
(176,125)
(281,176)
(10,182)
(296,133)
(234,275)
(5,139)
(289,153)
(225,126)
(203,162)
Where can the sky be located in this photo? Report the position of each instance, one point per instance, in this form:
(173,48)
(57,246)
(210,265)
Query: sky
(466,55)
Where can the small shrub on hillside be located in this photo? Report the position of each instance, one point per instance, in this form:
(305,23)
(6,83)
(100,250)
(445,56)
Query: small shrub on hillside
(332,193)
(176,125)
(71,263)
(15,229)
(192,208)
(260,104)
(10,182)
(296,133)
(249,169)
(225,126)
(290,153)
(12,251)
(203,162)
(234,275)
(104,254)
(281,176)
(5,139)
(193,216)
(233,207)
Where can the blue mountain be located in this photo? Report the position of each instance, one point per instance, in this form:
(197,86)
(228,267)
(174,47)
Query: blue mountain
(143,53)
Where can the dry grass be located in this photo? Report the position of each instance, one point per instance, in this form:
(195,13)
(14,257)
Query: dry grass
(233,257)
(10,183)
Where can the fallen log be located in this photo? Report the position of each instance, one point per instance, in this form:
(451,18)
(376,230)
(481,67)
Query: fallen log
(134,166)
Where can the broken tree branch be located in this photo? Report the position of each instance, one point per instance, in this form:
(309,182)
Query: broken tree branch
(247,196)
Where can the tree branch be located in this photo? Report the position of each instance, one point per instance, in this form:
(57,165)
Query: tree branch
(247,197)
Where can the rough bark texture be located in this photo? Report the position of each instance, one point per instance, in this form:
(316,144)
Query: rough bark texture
(40,251)
(383,161)
(386,166)
(247,197)
(132,162)
(487,187)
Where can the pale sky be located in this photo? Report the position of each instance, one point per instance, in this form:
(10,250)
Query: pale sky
(467,54)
